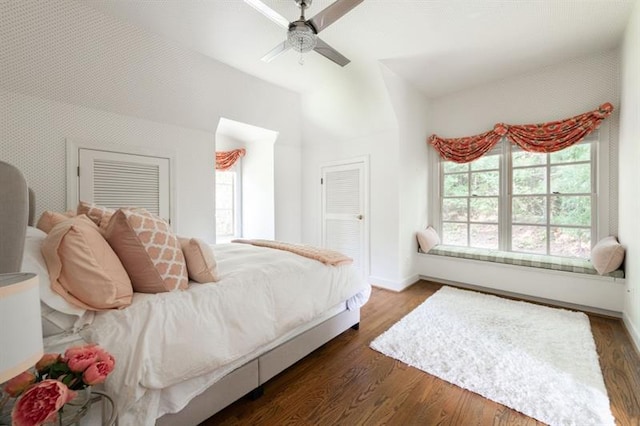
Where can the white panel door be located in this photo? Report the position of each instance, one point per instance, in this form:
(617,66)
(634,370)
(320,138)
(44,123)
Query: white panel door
(343,211)
(116,179)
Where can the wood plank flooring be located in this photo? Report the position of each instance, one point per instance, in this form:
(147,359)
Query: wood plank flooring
(346,383)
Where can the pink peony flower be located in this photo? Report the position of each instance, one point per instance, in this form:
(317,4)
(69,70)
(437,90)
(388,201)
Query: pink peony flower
(40,403)
(19,384)
(78,358)
(47,361)
(97,373)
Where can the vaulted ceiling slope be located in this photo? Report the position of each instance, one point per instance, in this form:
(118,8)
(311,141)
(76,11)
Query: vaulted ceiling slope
(439,46)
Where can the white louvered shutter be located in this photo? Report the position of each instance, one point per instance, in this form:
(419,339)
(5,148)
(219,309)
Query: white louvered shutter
(343,211)
(114,179)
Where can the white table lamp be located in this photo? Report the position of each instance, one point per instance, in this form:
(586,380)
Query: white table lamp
(20,324)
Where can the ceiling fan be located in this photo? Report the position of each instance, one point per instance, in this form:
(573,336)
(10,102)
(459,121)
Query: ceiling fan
(302,35)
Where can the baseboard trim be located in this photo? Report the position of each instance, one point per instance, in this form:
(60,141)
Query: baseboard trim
(526,297)
(632,331)
(396,286)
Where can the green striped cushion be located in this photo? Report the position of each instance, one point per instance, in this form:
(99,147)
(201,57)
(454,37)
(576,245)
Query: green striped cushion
(567,264)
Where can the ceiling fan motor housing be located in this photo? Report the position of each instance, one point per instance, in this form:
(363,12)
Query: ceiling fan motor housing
(301,36)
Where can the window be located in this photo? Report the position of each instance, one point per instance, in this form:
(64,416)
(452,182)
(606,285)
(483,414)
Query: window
(514,200)
(228,204)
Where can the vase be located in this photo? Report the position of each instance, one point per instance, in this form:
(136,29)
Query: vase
(76,409)
(6,404)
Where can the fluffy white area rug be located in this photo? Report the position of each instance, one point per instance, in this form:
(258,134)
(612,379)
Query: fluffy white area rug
(537,360)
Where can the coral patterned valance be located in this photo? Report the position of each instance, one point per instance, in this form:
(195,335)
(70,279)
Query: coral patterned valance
(545,137)
(226,159)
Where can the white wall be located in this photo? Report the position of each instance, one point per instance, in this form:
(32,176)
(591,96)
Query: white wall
(353,117)
(413,114)
(33,138)
(67,70)
(629,172)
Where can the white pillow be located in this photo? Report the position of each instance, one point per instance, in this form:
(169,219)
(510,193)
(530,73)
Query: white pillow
(607,255)
(428,239)
(33,261)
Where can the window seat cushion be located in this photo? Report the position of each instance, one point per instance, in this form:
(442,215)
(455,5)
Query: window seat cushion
(556,263)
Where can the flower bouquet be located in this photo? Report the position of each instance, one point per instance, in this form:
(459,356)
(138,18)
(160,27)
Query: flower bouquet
(56,380)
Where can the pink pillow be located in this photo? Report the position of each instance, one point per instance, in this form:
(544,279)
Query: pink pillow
(427,239)
(83,268)
(607,255)
(50,219)
(201,262)
(100,215)
(149,251)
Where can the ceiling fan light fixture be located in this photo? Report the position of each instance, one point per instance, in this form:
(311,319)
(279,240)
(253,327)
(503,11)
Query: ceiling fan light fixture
(301,37)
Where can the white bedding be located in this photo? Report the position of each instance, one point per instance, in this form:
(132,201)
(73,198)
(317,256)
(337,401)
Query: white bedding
(166,339)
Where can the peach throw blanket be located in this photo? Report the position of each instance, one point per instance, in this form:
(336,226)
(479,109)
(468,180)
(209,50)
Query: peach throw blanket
(326,256)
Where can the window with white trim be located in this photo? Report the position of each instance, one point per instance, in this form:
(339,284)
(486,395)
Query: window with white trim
(228,204)
(519,201)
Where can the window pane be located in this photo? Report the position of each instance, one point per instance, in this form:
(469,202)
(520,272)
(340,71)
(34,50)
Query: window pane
(224,197)
(483,210)
(571,179)
(523,158)
(529,239)
(450,167)
(454,234)
(485,163)
(579,152)
(224,177)
(570,210)
(224,222)
(485,183)
(456,185)
(484,236)
(454,209)
(530,180)
(571,242)
(529,210)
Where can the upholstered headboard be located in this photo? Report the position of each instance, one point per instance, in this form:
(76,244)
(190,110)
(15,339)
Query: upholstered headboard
(32,207)
(14,216)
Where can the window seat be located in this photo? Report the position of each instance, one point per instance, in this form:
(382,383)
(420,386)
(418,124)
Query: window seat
(566,264)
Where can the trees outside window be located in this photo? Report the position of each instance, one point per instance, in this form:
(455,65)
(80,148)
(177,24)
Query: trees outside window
(520,201)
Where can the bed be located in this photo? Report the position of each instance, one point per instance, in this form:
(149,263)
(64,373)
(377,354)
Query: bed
(184,355)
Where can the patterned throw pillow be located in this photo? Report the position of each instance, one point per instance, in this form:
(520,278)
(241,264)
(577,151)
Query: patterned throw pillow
(100,215)
(149,251)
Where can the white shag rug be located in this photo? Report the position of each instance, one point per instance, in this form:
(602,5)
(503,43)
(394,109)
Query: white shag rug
(537,360)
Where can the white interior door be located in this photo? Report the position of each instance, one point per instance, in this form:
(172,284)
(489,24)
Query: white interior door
(344,203)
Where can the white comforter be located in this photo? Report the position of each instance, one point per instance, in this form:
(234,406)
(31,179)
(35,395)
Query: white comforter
(164,339)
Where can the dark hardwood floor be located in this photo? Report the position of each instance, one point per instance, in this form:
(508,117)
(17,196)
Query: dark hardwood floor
(346,383)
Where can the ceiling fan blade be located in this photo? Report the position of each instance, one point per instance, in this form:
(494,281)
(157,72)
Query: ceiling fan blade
(332,13)
(330,53)
(276,51)
(269,13)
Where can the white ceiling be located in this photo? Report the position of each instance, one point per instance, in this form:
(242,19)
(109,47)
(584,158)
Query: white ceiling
(440,46)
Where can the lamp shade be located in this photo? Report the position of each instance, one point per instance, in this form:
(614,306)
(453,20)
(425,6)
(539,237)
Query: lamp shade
(20,324)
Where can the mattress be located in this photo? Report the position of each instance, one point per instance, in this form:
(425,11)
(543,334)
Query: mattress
(171,346)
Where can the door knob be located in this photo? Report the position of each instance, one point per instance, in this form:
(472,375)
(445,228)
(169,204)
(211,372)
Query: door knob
(359,217)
